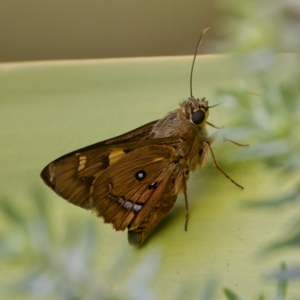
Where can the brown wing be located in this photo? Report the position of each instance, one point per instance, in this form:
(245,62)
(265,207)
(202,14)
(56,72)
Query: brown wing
(138,190)
(72,175)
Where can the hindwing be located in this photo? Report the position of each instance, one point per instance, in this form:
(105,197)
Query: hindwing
(131,191)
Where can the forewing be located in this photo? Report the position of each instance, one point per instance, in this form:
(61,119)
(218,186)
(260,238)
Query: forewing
(71,176)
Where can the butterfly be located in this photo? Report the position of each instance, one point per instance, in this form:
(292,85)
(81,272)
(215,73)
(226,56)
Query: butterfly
(133,180)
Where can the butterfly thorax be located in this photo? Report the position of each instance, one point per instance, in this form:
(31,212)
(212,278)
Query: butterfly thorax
(178,123)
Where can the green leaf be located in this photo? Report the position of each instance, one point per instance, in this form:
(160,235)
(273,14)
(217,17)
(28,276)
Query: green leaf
(232,295)
(282,285)
(12,214)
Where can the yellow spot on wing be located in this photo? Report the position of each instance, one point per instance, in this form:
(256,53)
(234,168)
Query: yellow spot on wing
(82,162)
(115,156)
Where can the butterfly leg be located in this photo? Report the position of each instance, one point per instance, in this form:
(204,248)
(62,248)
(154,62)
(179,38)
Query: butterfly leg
(186,206)
(212,125)
(225,139)
(208,144)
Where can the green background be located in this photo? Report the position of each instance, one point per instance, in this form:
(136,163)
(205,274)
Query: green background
(49,109)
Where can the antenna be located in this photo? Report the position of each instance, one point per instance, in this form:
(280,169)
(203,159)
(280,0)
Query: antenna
(197,48)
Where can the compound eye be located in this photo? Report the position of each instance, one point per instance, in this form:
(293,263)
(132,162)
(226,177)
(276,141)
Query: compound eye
(198,117)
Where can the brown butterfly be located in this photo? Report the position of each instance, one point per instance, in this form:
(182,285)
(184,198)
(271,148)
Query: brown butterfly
(133,180)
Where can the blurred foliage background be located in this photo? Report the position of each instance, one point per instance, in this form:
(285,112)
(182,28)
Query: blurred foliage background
(54,265)
(260,30)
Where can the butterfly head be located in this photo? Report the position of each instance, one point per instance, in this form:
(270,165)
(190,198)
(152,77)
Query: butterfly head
(196,110)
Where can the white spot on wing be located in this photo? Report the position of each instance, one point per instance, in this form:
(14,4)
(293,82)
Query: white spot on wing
(128,204)
(51,171)
(121,200)
(137,208)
